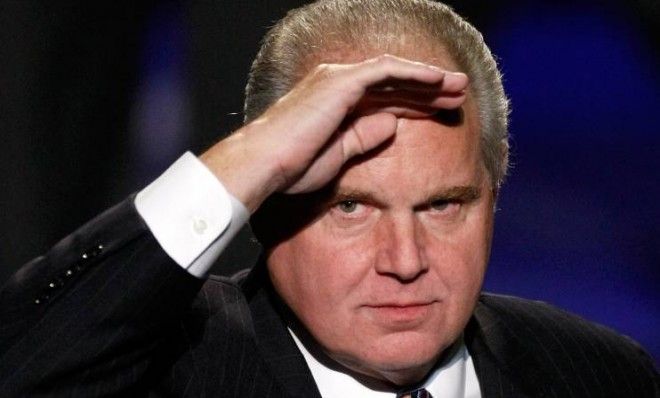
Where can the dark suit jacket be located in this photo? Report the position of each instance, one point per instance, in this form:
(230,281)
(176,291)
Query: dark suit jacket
(106,313)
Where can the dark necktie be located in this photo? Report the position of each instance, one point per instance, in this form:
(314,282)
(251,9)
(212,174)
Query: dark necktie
(419,393)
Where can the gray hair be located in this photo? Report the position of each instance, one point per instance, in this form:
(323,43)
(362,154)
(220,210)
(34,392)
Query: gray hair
(327,28)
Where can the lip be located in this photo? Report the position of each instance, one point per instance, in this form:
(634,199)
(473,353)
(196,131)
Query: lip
(400,313)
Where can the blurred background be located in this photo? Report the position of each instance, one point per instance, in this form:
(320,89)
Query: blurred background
(98,98)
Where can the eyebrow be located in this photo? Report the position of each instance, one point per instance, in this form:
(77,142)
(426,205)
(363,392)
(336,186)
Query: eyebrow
(352,194)
(463,194)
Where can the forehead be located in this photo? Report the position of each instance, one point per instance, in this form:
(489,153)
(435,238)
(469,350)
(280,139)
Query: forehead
(424,156)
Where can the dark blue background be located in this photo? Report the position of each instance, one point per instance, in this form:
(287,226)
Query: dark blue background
(578,219)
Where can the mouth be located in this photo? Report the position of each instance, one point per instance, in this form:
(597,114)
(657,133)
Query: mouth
(400,314)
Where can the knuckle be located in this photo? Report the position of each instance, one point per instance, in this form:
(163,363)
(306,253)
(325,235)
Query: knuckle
(323,71)
(385,59)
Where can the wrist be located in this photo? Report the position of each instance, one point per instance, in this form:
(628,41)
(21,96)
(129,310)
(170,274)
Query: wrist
(241,169)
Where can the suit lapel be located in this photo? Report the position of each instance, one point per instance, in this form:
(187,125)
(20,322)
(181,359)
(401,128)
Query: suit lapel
(273,339)
(505,367)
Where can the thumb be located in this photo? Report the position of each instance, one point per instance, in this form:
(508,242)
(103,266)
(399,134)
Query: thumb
(361,135)
(366,133)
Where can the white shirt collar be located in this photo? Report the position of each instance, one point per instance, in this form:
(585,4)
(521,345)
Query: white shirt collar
(454,378)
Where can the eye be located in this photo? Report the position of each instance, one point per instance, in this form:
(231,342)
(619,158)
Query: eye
(350,209)
(440,205)
(347,206)
(445,207)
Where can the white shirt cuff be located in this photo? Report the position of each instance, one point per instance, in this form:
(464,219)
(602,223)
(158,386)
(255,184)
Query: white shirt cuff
(191,214)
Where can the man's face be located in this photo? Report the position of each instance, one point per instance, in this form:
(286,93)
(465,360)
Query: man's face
(387,276)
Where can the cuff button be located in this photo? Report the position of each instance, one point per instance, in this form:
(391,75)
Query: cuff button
(199,226)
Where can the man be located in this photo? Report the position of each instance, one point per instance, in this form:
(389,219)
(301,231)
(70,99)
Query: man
(371,167)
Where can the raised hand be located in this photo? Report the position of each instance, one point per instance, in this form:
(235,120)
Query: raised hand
(337,111)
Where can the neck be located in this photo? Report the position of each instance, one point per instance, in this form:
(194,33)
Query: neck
(392,381)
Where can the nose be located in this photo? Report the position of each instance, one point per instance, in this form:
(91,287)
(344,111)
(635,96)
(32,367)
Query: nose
(401,249)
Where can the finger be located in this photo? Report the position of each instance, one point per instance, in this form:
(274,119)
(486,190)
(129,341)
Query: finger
(455,82)
(384,67)
(360,135)
(405,97)
(404,111)
(366,133)
(449,86)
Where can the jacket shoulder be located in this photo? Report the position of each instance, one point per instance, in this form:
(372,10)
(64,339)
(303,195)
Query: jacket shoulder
(566,348)
(541,317)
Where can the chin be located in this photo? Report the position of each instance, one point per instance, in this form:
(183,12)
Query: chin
(399,360)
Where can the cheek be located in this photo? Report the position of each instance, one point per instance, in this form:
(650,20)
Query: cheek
(316,271)
(460,257)
(320,279)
